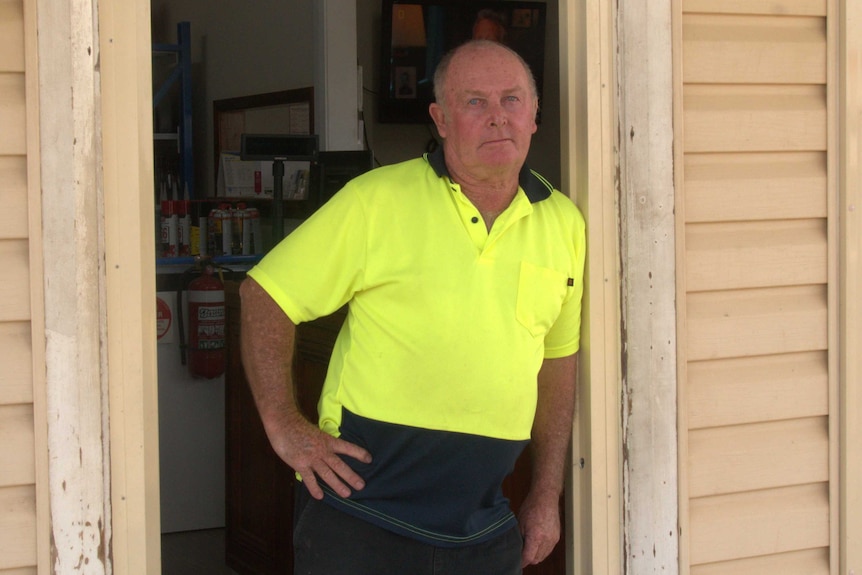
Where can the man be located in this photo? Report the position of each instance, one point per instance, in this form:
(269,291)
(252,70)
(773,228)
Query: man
(462,271)
(489,25)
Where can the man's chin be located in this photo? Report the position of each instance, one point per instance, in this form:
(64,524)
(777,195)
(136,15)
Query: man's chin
(503,160)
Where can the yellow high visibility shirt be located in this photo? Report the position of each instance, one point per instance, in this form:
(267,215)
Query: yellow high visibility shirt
(447,326)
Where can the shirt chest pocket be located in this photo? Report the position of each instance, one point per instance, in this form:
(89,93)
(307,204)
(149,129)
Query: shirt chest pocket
(540,297)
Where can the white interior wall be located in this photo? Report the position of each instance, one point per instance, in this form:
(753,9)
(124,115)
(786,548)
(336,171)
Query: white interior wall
(336,75)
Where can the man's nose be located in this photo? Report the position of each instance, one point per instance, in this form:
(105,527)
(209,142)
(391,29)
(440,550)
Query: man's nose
(497,115)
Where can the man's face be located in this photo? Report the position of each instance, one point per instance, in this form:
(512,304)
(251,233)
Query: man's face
(486,29)
(489,113)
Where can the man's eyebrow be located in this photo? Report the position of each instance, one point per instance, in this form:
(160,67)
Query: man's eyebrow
(507,91)
(475,92)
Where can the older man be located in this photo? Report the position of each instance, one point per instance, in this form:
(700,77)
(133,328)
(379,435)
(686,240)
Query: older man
(462,272)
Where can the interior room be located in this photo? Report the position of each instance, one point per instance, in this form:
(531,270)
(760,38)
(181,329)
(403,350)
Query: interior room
(268,64)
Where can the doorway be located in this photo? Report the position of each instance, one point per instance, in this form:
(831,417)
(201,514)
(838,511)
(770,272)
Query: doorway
(600,463)
(192,411)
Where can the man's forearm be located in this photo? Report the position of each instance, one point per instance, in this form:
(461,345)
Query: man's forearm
(552,428)
(266,342)
(267,352)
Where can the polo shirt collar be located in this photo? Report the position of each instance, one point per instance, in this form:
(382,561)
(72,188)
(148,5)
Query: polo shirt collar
(535,188)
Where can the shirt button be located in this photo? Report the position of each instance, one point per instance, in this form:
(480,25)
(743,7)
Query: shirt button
(474,219)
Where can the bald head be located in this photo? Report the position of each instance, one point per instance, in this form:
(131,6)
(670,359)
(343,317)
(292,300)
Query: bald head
(441,74)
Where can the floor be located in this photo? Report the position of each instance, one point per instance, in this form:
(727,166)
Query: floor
(194,553)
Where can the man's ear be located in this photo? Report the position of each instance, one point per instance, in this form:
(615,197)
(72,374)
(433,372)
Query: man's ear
(535,115)
(439,116)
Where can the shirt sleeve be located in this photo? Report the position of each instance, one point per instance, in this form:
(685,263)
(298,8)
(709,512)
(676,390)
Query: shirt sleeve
(563,339)
(316,269)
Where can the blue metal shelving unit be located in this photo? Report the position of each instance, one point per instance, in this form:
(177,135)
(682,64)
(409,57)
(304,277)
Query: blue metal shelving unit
(181,73)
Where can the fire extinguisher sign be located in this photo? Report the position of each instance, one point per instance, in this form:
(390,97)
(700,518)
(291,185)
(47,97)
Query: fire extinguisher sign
(208,309)
(210,325)
(164,320)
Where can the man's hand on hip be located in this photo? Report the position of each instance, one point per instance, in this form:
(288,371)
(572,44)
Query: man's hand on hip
(315,455)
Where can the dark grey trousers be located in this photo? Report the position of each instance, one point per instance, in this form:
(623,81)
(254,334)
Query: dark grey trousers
(329,542)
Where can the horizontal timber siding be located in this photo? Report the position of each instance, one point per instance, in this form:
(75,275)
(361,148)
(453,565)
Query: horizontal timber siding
(754,277)
(18,530)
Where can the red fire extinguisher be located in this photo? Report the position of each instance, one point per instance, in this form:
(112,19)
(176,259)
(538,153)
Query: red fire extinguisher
(206,309)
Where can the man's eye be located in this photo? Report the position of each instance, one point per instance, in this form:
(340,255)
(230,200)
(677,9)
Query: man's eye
(473,101)
(512,99)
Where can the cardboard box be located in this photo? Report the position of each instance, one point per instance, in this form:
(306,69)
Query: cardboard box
(239,179)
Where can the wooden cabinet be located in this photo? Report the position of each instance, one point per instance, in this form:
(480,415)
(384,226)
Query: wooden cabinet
(261,488)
